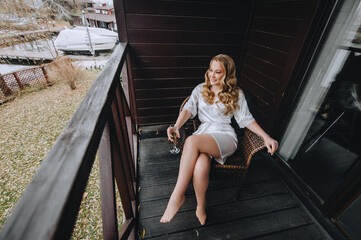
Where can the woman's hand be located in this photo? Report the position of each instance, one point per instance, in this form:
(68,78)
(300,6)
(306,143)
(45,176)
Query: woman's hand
(271,144)
(170,130)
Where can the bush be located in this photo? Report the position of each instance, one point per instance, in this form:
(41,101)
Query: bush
(64,70)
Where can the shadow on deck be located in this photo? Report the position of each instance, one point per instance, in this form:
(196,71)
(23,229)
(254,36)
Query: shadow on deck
(266,209)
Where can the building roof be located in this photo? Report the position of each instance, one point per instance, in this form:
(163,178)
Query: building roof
(101,17)
(105,7)
(82,1)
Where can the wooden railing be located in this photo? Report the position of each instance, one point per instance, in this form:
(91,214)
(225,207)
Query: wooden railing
(103,123)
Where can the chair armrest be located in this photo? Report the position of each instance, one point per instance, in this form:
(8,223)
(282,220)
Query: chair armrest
(250,144)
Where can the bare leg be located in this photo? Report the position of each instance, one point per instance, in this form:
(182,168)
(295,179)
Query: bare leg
(194,145)
(200,184)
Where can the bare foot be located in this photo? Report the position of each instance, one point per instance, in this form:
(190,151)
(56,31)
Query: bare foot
(201,215)
(173,206)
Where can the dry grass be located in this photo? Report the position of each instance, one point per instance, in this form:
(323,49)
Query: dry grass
(63,69)
(29,125)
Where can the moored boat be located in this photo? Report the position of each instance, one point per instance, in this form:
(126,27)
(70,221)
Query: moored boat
(77,41)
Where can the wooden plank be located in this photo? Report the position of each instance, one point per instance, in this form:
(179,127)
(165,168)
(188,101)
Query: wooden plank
(246,228)
(161,101)
(121,138)
(219,196)
(281,9)
(189,8)
(258,77)
(152,120)
(126,229)
(132,97)
(152,193)
(49,206)
(305,232)
(219,214)
(166,49)
(267,68)
(270,55)
(289,27)
(107,193)
(158,110)
(168,82)
(167,72)
(123,184)
(257,104)
(169,22)
(119,9)
(127,136)
(163,92)
(150,180)
(274,41)
(171,61)
(257,90)
(181,36)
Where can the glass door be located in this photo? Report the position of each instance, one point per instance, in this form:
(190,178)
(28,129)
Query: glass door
(322,143)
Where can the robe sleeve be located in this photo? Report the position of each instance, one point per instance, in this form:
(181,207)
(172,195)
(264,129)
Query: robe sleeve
(192,103)
(242,114)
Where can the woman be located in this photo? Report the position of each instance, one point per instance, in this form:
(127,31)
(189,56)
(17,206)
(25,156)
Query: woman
(215,102)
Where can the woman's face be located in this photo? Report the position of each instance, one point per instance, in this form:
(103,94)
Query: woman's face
(216,73)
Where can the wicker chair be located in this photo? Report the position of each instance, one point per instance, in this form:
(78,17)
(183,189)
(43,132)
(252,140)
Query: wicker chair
(237,164)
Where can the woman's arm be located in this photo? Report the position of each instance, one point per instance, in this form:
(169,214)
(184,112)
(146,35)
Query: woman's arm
(270,143)
(184,115)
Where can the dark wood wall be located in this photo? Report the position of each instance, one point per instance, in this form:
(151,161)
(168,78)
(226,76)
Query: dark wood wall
(276,38)
(171,44)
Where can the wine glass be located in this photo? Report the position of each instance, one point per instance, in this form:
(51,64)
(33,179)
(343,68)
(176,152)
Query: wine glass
(175,149)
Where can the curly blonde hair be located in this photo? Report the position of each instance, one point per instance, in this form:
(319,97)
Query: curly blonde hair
(230,91)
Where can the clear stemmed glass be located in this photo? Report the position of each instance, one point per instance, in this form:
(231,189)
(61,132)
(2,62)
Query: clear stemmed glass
(175,149)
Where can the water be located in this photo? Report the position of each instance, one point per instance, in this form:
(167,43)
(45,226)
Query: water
(7,68)
(45,48)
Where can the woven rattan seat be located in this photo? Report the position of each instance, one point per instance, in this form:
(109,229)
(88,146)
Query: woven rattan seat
(237,164)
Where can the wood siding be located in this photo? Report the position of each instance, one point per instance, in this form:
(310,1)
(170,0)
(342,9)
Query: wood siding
(171,45)
(277,34)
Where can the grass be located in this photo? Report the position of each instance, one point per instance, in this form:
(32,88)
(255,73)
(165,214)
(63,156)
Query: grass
(29,126)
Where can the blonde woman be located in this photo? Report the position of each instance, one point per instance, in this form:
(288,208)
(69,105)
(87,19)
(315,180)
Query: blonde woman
(215,101)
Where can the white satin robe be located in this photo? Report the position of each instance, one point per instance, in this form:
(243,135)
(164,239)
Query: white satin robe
(215,123)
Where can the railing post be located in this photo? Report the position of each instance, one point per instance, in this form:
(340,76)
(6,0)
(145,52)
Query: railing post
(127,137)
(4,87)
(107,193)
(122,139)
(45,74)
(128,87)
(125,82)
(18,81)
(120,172)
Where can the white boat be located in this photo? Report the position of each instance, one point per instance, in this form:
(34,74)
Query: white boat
(77,41)
(99,31)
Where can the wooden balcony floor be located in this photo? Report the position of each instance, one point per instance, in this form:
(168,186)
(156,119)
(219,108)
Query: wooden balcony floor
(266,209)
